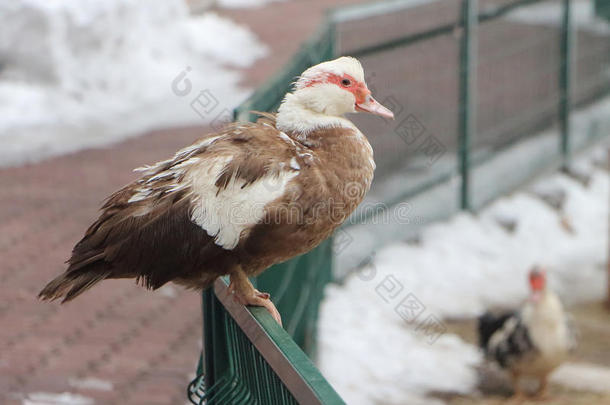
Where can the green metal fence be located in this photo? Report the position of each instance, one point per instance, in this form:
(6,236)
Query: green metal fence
(250,359)
(477,77)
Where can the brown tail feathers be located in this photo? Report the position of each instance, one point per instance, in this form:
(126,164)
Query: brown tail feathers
(72,283)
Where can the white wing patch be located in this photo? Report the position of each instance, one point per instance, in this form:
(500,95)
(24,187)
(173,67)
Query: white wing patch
(227,213)
(294,164)
(140,195)
(501,335)
(147,185)
(173,172)
(287,139)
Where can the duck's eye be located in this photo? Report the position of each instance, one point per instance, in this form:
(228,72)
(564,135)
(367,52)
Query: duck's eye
(346,82)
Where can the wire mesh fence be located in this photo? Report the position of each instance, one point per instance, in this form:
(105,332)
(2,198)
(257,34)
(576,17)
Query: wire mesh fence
(413,61)
(518,69)
(532,62)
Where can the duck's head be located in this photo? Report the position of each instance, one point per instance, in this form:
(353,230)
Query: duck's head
(330,90)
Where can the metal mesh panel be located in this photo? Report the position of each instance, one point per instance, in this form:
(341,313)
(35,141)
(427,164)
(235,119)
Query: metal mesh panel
(591,50)
(359,29)
(240,374)
(518,93)
(244,377)
(411,60)
(419,82)
(524,61)
(518,77)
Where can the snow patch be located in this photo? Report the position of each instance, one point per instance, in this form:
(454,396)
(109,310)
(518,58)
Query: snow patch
(583,376)
(373,356)
(168,291)
(84,73)
(550,14)
(66,398)
(90,384)
(457,269)
(244,3)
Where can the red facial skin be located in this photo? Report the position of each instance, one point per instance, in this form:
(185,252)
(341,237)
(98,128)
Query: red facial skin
(358,89)
(537,281)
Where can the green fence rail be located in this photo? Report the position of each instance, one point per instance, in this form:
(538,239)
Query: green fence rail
(249,359)
(453,67)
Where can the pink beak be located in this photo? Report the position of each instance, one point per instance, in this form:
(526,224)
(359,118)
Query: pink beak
(371,105)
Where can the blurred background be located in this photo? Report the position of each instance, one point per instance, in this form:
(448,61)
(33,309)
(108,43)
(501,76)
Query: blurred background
(497,161)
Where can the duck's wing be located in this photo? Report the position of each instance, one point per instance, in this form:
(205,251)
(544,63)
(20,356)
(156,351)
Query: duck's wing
(504,338)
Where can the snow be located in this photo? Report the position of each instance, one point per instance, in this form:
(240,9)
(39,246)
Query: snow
(457,269)
(583,376)
(244,3)
(90,384)
(372,356)
(550,14)
(77,74)
(66,398)
(168,291)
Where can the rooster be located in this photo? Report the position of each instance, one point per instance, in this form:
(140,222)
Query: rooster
(531,342)
(240,200)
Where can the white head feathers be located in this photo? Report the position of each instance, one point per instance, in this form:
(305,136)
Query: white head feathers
(319,100)
(340,66)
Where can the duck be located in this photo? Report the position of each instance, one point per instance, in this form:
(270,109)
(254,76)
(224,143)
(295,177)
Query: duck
(238,200)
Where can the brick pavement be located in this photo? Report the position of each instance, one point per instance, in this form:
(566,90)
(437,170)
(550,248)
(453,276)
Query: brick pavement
(117,332)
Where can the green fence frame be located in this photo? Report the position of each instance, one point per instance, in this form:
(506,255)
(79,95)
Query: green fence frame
(247,358)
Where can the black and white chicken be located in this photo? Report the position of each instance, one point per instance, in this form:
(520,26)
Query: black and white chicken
(532,341)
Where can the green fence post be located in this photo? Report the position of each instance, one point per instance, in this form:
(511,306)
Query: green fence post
(467,94)
(602,8)
(210,343)
(565,83)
